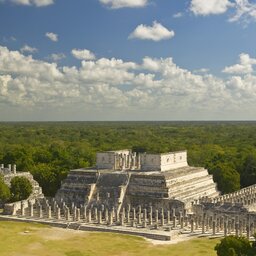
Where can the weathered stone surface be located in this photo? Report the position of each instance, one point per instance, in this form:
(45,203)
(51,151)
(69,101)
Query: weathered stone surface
(125,178)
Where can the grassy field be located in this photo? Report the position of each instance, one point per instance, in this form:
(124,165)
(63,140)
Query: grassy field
(23,239)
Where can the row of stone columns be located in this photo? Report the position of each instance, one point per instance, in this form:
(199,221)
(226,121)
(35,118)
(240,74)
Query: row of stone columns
(214,223)
(128,216)
(10,168)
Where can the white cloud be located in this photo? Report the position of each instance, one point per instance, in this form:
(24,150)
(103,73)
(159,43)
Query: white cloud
(56,56)
(52,36)
(116,4)
(178,15)
(28,49)
(207,7)
(156,33)
(108,88)
(83,54)
(37,3)
(245,11)
(244,67)
(202,70)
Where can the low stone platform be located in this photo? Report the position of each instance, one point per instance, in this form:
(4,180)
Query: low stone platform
(151,234)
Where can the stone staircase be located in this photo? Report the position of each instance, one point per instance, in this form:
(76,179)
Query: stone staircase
(77,187)
(110,190)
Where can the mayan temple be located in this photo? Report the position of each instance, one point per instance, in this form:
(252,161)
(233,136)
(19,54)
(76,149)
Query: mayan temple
(158,196)
(124,178)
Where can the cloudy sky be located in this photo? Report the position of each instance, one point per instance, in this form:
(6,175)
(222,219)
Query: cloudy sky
(127,60)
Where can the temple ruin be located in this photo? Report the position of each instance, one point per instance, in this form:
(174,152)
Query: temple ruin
(158,196)
(124,177)
(9,172)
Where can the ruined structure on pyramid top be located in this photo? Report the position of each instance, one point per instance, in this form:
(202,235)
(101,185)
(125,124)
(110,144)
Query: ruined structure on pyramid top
(128,160)
(124,177)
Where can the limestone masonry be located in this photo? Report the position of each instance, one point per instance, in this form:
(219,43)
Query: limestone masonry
(123,177)
(158,196)
(10,172)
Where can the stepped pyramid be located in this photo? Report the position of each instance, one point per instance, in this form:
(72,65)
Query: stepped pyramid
(123,177)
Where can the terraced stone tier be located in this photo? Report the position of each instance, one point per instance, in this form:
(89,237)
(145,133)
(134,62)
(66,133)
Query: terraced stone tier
(115,188)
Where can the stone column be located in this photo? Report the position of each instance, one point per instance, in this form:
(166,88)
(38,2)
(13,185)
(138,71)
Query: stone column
(14,169)
(225,228)
(89,216)
(218,224)
(128,215)
(186,220)
(117,216)
(122,219)
(156,217)
(203,224)
(49,212)
(110,222)
(240,227)
(31,210)
(106,215)
(145,215)
(55,206)
(139,218)
(237,228)
(180,216)
(78,214)
(192,225)
(173,214)
(196,222)
(40,209)
(248,234)
(22,209)
(134,214)
(229,227)
(96,214)
(207,223)
(182,222)
(214,227)
(232,225)
(58,213)
(174,223)
(85,212)
(162,217)
(150,218)
(74,213)
(252,228)
(168,217)
(100,217)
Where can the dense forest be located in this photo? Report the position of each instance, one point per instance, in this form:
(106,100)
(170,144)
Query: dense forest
(50,150)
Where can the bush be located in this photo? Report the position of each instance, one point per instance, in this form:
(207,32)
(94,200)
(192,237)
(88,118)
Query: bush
(235,246)
(5,193)
(21,188)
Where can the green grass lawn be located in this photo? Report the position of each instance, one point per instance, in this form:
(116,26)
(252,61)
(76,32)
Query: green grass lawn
(25,239)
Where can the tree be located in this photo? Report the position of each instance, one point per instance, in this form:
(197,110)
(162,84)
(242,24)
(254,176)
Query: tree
(227,178)
(234,246)
(48,178)
(21,188)
(248,172)
(5,193)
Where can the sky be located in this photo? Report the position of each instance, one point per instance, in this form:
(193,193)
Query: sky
(90,60)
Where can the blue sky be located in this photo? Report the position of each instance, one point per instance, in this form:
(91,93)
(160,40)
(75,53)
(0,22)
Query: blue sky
(127,60)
